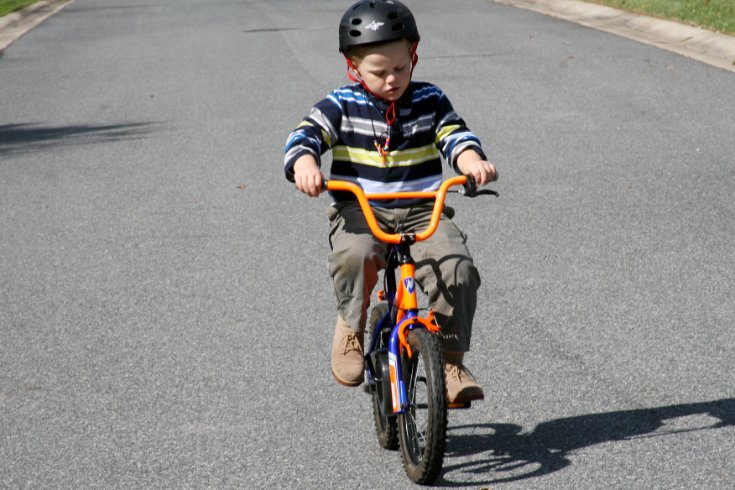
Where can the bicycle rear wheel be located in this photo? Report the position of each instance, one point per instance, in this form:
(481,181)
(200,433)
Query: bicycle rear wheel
(386,427)
(422,428)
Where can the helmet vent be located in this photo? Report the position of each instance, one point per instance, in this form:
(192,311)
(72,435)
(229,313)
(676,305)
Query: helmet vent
(393,15)
(356,22)
(398,27)
(355,33)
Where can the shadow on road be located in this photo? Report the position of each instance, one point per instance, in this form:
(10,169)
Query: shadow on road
(512,455)
(26,138)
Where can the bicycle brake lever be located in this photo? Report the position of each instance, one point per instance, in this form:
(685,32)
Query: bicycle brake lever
(487,192)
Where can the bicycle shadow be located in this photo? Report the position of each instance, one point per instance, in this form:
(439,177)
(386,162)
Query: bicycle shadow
(513,455)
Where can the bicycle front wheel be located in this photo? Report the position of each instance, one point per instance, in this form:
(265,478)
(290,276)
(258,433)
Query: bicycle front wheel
(422,428)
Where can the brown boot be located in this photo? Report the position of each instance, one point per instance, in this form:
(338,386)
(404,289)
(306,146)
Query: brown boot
(461,385)
(347,354)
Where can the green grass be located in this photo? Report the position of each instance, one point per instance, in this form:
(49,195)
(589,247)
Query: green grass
(9,6)
(717,15)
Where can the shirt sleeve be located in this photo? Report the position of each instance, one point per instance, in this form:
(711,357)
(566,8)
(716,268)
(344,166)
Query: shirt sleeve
(316,134)
(452,134)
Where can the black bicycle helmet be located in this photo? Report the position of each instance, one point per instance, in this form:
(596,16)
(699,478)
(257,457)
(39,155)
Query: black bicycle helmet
(376,21)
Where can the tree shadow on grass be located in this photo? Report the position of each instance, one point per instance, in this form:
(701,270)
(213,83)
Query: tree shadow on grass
(27,138)
(508,454)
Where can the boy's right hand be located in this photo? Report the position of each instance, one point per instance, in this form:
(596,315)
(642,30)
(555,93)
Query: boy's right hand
(307,176)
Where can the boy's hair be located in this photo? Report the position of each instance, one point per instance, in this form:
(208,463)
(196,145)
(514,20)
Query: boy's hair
(357,53)
(376,22)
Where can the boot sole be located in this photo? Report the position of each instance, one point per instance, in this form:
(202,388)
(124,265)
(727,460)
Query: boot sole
(349,384)
(466,400)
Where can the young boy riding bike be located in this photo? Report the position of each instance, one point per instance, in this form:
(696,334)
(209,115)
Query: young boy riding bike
(388,133)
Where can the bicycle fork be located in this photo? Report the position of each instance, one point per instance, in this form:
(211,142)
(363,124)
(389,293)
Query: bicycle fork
(399,397)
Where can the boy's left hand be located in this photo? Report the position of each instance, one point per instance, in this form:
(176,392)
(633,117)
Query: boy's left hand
(483,172)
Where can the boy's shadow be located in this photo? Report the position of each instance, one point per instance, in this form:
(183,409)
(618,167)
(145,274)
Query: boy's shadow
(513,455)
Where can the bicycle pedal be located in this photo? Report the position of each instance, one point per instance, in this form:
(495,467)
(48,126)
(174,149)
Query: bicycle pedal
(459,405)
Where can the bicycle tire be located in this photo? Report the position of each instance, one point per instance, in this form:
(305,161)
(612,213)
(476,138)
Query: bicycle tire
(386,424)
(422,428)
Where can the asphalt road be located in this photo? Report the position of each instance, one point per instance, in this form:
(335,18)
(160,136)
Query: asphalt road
(165,310)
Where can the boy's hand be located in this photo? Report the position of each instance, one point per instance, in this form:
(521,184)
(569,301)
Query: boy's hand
(307,176)
(483,172)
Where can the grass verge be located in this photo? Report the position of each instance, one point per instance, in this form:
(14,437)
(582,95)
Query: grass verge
(717,15)
(10,6)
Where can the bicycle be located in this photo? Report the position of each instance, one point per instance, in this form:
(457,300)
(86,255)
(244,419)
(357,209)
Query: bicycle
(403,362)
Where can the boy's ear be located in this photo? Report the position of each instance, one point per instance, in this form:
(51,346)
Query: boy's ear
(352,71)
(414,55)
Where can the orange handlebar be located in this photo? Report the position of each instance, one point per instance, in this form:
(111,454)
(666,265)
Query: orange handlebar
(395,238)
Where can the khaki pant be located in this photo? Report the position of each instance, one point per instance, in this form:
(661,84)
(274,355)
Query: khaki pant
(444,268)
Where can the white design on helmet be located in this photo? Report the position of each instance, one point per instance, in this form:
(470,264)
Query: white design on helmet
(374,26)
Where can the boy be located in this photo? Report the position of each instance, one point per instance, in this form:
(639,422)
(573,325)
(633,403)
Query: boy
(388,134)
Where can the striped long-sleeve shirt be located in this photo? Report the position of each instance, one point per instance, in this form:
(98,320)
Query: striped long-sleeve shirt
(349,121)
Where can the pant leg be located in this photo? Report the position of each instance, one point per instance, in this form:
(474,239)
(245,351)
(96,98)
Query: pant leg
(354,262)
(446,272)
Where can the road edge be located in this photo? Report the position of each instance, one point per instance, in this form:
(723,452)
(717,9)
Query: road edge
(15,25)
(709,47)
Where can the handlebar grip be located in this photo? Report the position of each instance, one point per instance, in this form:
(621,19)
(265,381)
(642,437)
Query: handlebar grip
(471,189)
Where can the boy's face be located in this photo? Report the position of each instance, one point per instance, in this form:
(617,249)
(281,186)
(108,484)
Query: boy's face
(386,69)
